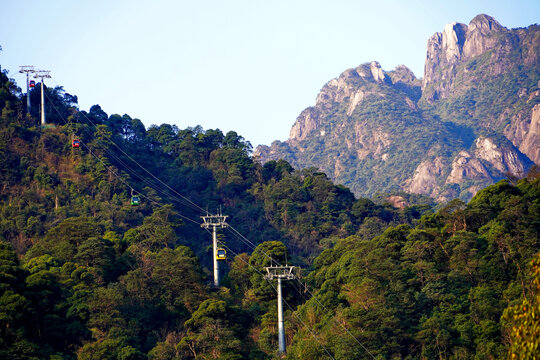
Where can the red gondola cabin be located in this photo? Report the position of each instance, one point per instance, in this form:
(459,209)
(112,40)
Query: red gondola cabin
(32,83)
(75,143)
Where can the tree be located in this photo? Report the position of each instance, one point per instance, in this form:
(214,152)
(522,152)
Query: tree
(179,279)
(97,252)
(97,115)
(15,309)
(523,319)
(63,240)
(156,232)
(104,305)
(211,333)
(269,253)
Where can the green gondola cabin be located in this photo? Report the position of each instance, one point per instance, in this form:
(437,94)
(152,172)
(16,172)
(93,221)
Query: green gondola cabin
(135,200)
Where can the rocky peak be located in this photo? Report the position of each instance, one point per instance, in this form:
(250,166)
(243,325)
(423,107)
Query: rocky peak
(478,35)
(458,42)
(402,74)
(374,146)
(485,24)
(443,49)
(453,39)
(426,175)
(370,71)
(307,121)
(376,71)
(346,87)
(531,141)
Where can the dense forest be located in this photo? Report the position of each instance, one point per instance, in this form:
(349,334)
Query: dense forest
(86,275)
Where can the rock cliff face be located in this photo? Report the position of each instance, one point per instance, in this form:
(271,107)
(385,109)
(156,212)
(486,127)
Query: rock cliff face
(524,131)
(345,88)
(456,44)
(483,164)
(531,142)
(473,119)
(425,178)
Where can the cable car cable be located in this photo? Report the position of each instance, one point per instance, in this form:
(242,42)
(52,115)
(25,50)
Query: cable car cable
(135,174)
(236,232)
(182,197)
(127,168)
(242,237)
(143,168)
(122,180)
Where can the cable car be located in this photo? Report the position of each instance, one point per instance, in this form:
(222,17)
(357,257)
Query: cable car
(135,200)
(221,254)
(75,143)
(32,83)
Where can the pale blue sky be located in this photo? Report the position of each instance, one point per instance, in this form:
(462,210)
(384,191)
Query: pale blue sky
(246,65)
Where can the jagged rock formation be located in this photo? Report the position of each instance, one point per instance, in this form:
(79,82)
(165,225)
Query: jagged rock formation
(343,88)
(457,43)
(526,133)
(473,119)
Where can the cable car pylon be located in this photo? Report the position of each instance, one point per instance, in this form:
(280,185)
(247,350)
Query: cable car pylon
(281,273)
(28,69)
(215,221)
(43,74)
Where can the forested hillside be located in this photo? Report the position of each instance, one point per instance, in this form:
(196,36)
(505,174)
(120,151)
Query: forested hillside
(86,275)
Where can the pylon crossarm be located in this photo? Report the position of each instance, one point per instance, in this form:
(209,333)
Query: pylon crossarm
(214,221)
(27,69)
(279,272)
(42,74)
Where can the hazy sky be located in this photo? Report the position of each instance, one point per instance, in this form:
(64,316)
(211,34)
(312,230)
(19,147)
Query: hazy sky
(246,65)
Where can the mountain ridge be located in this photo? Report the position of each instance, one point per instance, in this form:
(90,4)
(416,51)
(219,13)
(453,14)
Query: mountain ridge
(480,88)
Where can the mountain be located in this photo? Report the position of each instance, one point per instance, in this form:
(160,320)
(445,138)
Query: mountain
(86,275)
(473,119)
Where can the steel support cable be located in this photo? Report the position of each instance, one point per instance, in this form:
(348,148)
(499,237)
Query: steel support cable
(111,155)
(140,194)
(197,207)
(238,234)
(152,185)
(120,178)
(285,301)
(180,195)
(250,243)
(148,172)
(233,230)
(299,290)
(129,169)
